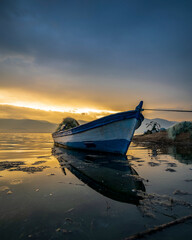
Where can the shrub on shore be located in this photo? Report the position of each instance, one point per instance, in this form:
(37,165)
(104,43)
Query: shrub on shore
(178,128)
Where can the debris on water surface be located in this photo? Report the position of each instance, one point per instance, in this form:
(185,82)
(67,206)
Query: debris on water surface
(38,162)
(70,210)
(8,165)
(170,170)
(154,203)
(130,157)
(63,230)
(4,188)
(171,164)
(51,174)
(37,190)
(16,181)
(43,156)
(153,164)
(162,160)
(9,192)
(29,169)
(69,220)
(180,192)
(148,214)
(188,180)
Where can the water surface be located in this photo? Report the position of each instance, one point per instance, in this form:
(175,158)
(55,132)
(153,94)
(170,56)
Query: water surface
(51,193)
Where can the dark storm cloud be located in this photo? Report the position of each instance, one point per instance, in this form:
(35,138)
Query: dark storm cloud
(141,41)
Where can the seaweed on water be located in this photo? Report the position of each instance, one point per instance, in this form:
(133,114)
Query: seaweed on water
(16,181)
(171,164)
(152,203)
(6,165)
(153,164)
(29,169)
(170,170)
(51,174)
(38,162)
(180,192)
(188,180)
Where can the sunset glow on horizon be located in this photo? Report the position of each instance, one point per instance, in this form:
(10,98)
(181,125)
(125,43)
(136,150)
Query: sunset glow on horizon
(94,58)
(39,106)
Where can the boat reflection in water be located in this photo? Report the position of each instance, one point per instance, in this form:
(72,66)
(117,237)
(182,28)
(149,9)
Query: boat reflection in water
(110,175)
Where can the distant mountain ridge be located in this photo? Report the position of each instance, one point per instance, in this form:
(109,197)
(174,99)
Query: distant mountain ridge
(40,126)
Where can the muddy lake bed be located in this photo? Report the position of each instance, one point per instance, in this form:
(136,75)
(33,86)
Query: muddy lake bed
(52,193)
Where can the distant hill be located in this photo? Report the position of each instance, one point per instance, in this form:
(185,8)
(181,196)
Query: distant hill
(163,122)
(37,126)
(28,125)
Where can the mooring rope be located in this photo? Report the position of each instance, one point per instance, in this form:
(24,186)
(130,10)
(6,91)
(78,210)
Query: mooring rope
(166,110)
(158,228)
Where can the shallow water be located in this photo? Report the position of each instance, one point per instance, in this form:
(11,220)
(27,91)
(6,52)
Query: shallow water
(50,193)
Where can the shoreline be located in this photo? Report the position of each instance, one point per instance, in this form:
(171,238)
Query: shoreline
(161,138)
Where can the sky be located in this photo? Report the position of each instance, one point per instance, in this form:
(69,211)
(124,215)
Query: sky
(91,58)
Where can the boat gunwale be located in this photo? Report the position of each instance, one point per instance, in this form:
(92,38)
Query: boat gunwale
(101,122)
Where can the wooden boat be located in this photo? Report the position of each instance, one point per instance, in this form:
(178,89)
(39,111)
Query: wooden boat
(112,134)
(110,175)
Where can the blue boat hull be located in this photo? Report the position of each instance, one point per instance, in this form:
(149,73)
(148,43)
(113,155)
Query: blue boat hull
(112,134)
(118,146)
